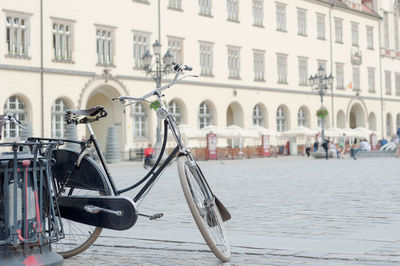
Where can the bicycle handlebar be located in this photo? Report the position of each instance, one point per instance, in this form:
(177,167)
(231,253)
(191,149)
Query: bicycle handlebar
(178,68)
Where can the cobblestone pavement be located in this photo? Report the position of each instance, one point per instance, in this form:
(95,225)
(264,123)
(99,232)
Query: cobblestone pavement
(285,211)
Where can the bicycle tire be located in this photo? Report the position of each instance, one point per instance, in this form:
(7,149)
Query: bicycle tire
(79,237)
(208,220)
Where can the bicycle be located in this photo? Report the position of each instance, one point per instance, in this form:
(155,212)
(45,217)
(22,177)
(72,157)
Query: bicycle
(97,201)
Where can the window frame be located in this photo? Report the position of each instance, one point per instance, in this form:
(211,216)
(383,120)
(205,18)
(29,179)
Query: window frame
(17,36)
(234,62)
(281,18)
(140,47)
(58,118)
(321,26)
(204,119)
(175,47)
(20,113)
(301,21)
(105,45)
(282,68)
(259,65)
(206,58)
(140,122)
(258,13)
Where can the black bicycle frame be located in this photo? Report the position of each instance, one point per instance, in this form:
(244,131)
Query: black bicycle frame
(152,174)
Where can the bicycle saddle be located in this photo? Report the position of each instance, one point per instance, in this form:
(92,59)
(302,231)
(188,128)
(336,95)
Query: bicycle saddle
(88,112)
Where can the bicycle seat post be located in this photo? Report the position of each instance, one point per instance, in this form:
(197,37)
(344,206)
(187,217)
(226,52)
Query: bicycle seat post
(101,156)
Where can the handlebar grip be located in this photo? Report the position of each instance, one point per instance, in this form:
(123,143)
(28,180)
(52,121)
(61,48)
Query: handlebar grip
(179,67)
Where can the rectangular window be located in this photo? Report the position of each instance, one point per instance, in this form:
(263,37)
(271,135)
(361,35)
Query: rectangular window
(356,78)
(303,71)
(282,68)
(339,76)
(175,4)
(370,37)
(371,79)
(62,35)
(354,34)
(321,26)
(232,7)
(259,65)
(302,22)
(388,82)
(17,27)
(206,59)
(234,62)
(205,7)
(386,37)
(140,46)
(258,12)
(396,31)
(338,30)
(105,45)
(175,47)
(280,17)
(397,83)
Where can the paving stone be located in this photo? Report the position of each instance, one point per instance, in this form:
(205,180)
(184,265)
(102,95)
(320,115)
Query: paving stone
(285,211)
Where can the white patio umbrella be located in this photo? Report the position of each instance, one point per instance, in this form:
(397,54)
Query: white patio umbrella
(192,133)
(221,132)
(349,132)
(242,132)
(263,131)
(299,132)
(363,132)
(334,132)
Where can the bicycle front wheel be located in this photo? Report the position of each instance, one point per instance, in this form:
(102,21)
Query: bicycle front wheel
(203,208)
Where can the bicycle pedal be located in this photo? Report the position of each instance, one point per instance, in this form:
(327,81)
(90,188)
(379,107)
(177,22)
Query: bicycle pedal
(152,217)
(156,216)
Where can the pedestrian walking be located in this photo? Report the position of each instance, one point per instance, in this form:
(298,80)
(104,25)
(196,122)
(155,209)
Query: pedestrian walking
(315,146)
(342,145)
(324,145)
(148,154)
(308,148)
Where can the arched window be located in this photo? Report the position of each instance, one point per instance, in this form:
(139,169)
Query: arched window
(388,125)
(257,116)
(280,120)
(58,118)
(16,106)
(139,121)
(301,118)
(204,115)
(176,111)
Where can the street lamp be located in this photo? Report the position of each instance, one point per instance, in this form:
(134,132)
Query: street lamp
(320,83)
(157,71)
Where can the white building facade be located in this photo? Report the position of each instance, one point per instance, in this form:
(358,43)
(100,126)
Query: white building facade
(253,58)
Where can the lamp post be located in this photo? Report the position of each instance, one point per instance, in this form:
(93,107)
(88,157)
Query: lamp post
(157,70)
(320,83)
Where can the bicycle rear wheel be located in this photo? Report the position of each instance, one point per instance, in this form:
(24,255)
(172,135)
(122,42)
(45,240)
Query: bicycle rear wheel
(78,236)
(204,210)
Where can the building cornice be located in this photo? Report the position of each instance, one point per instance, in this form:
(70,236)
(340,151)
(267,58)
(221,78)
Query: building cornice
(257,88)
(190,82)
(344,7)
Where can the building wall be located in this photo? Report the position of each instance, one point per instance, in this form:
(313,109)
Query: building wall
(82,82)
